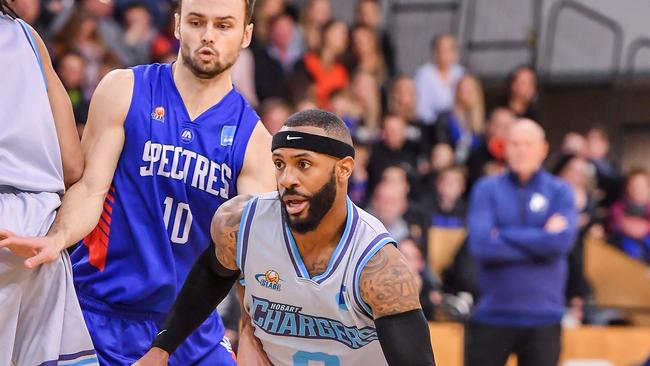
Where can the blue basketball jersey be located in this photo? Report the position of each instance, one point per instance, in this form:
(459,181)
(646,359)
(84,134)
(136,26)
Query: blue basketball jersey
(171,177)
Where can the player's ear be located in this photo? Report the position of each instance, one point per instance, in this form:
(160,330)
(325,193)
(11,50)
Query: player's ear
(177,25)
(248,36)
(344,168)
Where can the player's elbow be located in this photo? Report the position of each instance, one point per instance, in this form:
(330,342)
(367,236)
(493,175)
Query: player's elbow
(72,172)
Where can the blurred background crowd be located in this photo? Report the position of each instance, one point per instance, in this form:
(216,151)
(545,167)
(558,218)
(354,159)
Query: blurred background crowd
(422,138)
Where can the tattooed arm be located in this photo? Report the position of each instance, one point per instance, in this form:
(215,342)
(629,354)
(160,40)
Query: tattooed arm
(208,283)
(392,290)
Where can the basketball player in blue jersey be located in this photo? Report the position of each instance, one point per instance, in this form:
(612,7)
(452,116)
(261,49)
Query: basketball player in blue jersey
(323,279)
(165,145)
(40,319)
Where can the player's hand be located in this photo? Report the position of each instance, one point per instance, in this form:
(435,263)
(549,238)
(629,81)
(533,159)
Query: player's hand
(556,224)
(154,357)
(250,351)
(37,250)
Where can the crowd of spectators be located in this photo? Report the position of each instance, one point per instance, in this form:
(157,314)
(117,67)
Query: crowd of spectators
(422,140)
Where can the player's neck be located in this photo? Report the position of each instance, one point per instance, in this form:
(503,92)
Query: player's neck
(200,94)
(329,231)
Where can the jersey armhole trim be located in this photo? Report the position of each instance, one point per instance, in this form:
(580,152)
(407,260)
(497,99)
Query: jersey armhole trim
(32,43)
(242,236)
(379,242)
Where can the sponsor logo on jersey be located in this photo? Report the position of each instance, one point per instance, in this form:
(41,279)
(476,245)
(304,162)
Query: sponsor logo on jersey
(159,114)
(228,135)
(270,279)
(187,135)
(288,321)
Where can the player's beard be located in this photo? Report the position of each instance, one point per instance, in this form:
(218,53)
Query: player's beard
(319,204)
(206,71)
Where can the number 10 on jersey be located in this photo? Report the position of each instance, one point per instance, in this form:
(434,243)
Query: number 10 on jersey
(180,213)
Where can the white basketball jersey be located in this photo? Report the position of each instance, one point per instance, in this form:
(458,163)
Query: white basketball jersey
(303,320)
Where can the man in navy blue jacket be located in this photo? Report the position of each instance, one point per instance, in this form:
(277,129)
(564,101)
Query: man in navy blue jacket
(522,225)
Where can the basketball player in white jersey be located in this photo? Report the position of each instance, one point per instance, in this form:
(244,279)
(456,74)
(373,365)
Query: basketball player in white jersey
(40,318)
(323,279)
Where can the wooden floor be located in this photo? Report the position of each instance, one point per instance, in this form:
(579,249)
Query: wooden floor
(622,346)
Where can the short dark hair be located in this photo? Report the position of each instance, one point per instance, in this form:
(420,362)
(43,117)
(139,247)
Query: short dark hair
(332,125)
(248,19)
(7,10)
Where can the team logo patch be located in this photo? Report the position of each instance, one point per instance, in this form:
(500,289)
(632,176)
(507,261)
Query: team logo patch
(270,279)
(538,203)
(159,114)
(187,135)
(228,135)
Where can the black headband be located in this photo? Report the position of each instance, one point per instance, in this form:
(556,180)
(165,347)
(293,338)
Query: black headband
(311,142)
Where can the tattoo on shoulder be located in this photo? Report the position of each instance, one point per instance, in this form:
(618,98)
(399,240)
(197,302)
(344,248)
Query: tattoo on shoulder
(225,229)
(388,285)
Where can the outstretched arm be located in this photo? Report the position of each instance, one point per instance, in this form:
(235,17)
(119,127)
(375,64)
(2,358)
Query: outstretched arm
(391,290)
(82,204)
(208,283)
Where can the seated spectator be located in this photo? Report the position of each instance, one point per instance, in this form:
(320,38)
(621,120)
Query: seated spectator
(316,15)
(72,69)
(277,59)
(402,99)
(265,10)
(324,66)
(521,93)
(630,216)
(366,92)
(446,206)
(393,149)
(348,108)
(369,14)
(389,205)
(164,48)
(358,183)
(436,81)
(462,127)
(366,55)
(430,297)
(608,175)
(576,171)
(574,143)
(274,113)
(81,34)
(243,76)
(491,152)
(440,158)
(139,34)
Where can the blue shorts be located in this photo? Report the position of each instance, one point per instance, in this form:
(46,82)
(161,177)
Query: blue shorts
(121,338)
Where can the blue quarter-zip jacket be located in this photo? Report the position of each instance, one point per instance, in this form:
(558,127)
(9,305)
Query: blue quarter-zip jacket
(522,268)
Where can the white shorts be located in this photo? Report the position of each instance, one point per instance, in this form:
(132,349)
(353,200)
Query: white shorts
(41,320)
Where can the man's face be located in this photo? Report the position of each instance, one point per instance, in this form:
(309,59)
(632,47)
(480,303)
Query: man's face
(307,186)
(500,123)
(282,32)
(526,148)
(451,185)
(524,84)
(446,53)
(211,34)
(369,14)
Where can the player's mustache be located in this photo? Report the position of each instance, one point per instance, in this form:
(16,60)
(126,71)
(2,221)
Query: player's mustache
(293,192)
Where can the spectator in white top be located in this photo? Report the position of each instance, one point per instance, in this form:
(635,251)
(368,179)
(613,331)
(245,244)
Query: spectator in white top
(436,81)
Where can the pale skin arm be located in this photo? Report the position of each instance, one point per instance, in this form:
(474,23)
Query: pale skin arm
(81,206)
(71,155)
